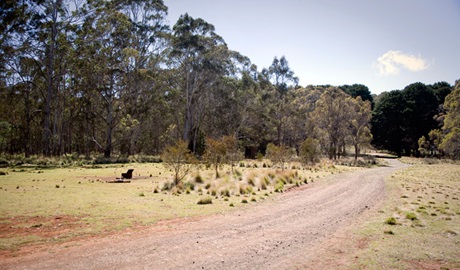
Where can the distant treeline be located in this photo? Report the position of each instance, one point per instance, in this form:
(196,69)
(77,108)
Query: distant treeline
(111,77)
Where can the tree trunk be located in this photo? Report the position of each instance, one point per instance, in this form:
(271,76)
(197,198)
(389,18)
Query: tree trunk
(49,80)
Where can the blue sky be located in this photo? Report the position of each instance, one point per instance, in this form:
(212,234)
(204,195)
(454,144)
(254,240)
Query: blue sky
(383,44)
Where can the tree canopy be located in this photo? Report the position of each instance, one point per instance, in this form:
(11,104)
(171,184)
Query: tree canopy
(112,78)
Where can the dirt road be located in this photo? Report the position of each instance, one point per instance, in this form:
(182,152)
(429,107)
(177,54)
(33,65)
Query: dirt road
(282,233)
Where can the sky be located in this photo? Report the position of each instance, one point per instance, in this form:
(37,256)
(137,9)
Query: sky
(383,44)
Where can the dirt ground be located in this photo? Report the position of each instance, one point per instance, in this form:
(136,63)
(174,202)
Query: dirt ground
(291,231)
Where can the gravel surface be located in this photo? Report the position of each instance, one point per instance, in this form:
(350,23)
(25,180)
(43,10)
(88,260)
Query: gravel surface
(281,233)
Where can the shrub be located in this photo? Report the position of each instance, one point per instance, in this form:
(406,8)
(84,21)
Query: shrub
(231,205)
(260,156)
(253,199)
(205,200)
(3,173)
(141,194)
(244,201)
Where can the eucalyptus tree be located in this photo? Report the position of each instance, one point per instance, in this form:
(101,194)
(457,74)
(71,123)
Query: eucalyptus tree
(41,31)
(361,114)
(105,44)
(201,58)
(331,117)
(451,141)
(144,73)
(282,78)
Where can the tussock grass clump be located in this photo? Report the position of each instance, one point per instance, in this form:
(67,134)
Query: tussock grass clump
(279,187)
(199,179)
(263,185)
(213,192)
(391,221)
(411,216)
(242,190)
(238,173)
(167,186)
(225,192)
(251,181)
(205,200)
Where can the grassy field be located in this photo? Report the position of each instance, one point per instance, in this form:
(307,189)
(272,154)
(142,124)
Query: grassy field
(41,205)
(419,226)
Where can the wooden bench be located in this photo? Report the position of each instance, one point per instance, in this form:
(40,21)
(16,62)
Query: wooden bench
(128,174)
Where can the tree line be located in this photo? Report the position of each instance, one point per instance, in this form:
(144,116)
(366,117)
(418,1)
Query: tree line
(111,77)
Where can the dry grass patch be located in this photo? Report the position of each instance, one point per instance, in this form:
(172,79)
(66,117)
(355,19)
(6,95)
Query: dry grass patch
(94,207)
(426,232)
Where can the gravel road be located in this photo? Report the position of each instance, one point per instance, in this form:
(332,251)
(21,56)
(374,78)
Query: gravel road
(281,233)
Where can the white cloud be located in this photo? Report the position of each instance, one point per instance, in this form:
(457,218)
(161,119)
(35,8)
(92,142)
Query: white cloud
(391,62)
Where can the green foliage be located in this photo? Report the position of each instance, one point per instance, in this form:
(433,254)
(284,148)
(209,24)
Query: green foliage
(401,118)
(179,159)
(309,151)
(279,155)
(451,141)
